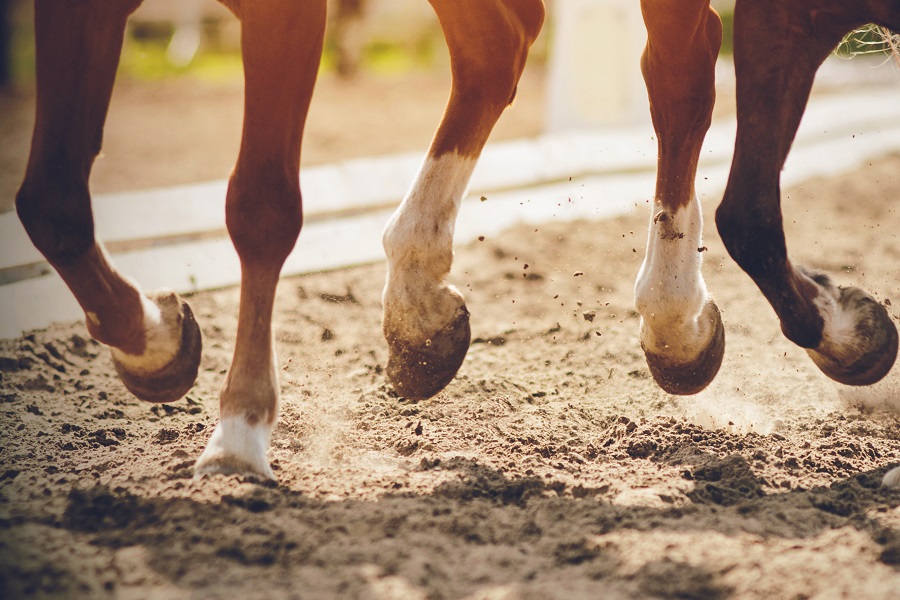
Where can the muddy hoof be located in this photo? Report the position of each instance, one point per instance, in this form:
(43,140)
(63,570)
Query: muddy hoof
(172,381)
(867,351)
(684,379)
(421,371)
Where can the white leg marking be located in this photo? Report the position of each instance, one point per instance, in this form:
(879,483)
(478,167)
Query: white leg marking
(670,292)
(239,442)
(236,446)
(418,241)
(892,479)
(839,329)
(162,327)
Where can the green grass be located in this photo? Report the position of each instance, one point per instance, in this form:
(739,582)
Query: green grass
(727,48)
(22,55)
(868,40)
(145,59)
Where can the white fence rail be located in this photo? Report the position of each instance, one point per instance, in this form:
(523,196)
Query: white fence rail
(175,237)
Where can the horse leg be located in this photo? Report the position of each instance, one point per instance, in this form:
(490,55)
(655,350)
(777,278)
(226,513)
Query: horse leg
(154,340)
(281,41)
(778,48)
(681,329)
(426,323)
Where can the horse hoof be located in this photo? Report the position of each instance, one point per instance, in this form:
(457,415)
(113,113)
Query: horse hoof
(685,379)
(892,479)
(859,344)
(419,371)
(173,380)
(237,447)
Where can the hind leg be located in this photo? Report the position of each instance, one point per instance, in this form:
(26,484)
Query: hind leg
(426,323)
(281,45)
(681,329)
(848,334)
(154,339)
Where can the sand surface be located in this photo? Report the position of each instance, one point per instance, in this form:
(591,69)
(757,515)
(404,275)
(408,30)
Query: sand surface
(552,467)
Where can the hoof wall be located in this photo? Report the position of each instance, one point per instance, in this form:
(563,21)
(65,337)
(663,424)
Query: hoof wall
(173,380)
(892,479)
(870,356)
(421,371)
(685,379)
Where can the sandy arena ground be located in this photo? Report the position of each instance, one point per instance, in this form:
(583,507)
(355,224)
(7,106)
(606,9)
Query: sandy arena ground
(552,467)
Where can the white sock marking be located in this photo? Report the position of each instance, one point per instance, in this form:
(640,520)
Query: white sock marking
(418,241)
(237,446)
(670,292)
(839,335)
(162,329)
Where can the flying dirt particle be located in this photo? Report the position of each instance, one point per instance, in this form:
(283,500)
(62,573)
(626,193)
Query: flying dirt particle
(483,198)
(497,340)
(702,249)
(347,298)
(480,238)
(589,315)
(578,274)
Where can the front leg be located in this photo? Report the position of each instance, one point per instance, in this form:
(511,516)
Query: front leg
(681,329)
(426,323)
(282,45)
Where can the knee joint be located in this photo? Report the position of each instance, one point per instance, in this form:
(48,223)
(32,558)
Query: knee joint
(263,216)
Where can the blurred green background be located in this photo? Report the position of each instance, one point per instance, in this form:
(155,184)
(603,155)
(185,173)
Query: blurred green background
(375,35)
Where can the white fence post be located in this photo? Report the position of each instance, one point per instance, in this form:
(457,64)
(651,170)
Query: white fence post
(595,78)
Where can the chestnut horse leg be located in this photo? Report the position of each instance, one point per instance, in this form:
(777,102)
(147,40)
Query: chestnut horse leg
(426,323)
(778,48)
(281,41)
(154,339)
(681,329)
